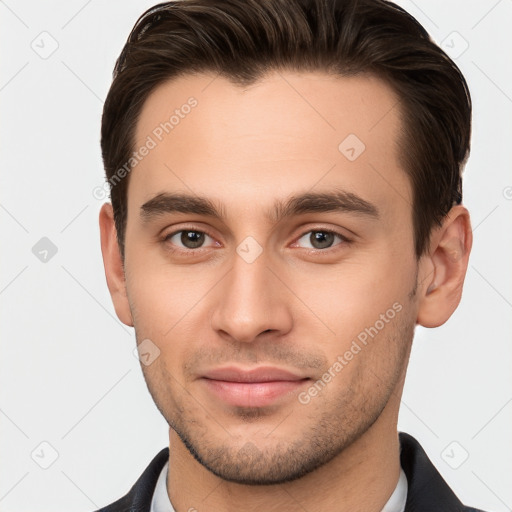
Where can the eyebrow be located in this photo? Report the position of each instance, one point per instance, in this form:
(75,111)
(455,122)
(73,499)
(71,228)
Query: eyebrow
(336,201)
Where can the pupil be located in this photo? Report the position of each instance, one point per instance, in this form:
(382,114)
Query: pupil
(321,239)
(192,239)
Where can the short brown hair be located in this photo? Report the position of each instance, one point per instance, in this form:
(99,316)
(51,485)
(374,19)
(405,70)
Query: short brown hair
(242,40)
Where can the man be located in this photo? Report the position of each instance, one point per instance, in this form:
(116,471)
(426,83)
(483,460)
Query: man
(286,206)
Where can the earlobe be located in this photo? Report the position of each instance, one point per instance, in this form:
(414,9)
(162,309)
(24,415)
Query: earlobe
(114,270)
(445,268)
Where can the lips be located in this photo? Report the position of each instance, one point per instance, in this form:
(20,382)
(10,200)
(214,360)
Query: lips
(260,374)
(255,387)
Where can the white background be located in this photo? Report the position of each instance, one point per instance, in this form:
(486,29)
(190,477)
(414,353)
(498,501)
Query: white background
(68,375)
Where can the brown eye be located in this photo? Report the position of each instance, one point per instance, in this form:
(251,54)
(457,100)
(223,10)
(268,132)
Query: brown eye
(192,239)
(320,239)
(187,239)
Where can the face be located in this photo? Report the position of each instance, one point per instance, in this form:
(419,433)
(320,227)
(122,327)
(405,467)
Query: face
(270,267)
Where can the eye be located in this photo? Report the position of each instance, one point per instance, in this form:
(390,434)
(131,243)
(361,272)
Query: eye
(320,239)
(188,239)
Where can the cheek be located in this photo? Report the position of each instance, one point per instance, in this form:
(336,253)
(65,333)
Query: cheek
(341,302)
(163,297)
(163,382)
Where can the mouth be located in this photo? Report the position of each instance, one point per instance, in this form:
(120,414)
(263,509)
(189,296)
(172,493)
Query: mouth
(256,387)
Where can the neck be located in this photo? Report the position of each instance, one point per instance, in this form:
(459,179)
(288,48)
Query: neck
(361,478)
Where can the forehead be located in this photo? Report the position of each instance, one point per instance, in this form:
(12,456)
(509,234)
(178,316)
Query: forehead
(287,132)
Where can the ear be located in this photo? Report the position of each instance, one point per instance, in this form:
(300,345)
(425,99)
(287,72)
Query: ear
(445,268)
(114,268)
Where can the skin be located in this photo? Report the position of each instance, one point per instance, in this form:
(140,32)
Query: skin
(296,306)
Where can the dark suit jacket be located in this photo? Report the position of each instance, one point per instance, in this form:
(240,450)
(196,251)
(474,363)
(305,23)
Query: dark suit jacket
(427,491)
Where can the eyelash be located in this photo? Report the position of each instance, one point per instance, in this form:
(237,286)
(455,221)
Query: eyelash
(343,240)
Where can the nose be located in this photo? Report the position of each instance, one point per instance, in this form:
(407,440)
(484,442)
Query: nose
(250,301)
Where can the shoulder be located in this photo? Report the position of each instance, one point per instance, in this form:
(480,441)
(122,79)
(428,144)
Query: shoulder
(140,495)
(426,488)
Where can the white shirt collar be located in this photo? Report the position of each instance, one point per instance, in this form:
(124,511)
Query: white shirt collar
(396,502)
(162,503)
